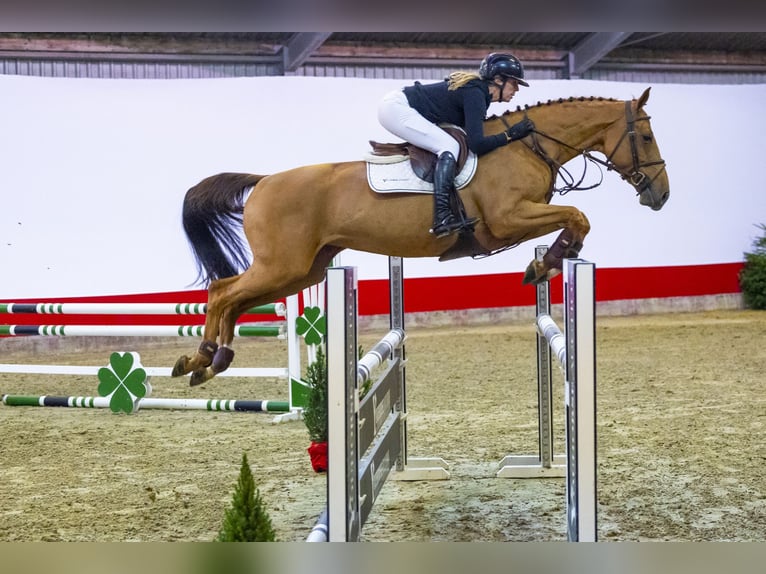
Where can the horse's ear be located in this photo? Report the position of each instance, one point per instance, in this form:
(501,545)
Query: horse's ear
(643,98)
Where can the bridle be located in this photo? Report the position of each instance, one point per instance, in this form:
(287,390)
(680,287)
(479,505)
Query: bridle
(635,176)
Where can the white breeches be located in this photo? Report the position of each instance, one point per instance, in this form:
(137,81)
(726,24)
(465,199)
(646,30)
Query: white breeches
(396,115)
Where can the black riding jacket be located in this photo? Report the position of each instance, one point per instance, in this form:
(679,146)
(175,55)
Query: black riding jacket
(465,107)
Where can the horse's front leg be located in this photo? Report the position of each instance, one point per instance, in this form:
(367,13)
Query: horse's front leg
(566,246)
(529,219)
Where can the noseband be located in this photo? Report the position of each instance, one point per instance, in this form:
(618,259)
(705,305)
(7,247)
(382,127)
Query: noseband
(635,176)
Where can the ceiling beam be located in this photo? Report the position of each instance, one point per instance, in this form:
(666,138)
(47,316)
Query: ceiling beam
(138,43)
(300,47)
(592,49)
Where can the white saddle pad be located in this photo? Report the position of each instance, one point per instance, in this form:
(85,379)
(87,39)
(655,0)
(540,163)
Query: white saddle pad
(393,174)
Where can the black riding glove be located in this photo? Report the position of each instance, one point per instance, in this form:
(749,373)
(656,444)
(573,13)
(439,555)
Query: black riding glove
(519,130)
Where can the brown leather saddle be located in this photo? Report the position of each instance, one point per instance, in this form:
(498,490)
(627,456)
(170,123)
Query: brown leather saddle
(422,160)
(423,163)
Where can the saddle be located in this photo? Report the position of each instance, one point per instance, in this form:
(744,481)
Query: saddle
(423,161)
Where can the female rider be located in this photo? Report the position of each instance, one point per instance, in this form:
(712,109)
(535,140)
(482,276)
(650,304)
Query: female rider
(462,99)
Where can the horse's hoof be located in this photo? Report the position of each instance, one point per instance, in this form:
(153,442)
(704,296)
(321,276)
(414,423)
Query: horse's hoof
(222,359)
(534,274)
(200,376)
(180,367)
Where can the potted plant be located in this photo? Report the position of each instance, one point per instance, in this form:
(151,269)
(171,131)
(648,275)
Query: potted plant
(315,411)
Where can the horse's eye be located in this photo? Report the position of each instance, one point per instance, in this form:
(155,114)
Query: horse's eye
(647,138)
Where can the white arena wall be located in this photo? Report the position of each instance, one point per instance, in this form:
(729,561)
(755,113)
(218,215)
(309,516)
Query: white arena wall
(93,174)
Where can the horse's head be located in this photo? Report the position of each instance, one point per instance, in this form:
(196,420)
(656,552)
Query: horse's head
(636,156)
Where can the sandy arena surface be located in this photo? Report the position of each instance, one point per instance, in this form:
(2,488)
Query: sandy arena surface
(681,441)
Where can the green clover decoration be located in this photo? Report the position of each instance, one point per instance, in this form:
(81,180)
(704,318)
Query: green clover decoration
(312,325)
(124,381)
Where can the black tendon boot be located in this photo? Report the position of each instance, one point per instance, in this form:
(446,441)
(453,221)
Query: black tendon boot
(445,222)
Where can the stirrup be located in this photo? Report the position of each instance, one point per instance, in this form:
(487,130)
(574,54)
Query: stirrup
(469,224)
(451,224)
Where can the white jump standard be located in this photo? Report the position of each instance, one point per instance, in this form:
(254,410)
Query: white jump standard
(575,352)
(367,438)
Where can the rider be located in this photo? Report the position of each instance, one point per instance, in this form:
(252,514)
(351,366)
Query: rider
(462,99)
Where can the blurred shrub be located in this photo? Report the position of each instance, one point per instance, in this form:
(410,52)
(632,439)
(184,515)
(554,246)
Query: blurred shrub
(752,277)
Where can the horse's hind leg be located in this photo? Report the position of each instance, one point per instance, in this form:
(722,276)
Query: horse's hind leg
(226,302)
(230,298)
(208,347)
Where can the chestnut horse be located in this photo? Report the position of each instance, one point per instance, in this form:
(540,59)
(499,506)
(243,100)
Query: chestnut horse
(296,221)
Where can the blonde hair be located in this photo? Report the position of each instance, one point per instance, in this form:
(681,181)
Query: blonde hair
(460,79)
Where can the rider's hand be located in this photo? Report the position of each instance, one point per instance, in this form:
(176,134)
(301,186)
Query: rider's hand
(519,130)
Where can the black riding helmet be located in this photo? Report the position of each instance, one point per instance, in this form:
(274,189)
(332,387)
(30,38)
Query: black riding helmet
(505,65)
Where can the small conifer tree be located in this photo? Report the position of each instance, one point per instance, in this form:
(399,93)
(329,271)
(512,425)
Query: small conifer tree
(315,411)
(752,277)
(246,520)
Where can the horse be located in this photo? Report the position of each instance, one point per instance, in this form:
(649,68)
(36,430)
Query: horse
(296,221)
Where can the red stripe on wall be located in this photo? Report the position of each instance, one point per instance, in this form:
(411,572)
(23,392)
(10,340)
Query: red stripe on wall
(506,290)
(425,294)
(679,281)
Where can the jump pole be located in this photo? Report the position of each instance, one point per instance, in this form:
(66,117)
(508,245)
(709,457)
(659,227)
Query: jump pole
(288,310)
(255,406)
(366,438)
(278,309)
(275,372)
(575,352)
(134,331)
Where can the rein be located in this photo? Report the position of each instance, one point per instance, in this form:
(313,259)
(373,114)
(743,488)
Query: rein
(636,177)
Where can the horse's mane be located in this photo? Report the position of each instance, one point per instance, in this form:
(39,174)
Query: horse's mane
(551,103)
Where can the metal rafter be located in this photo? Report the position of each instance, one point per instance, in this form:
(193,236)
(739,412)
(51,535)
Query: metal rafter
(300,47)
(590,50)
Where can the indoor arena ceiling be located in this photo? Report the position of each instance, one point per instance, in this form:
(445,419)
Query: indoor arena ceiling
(575,52)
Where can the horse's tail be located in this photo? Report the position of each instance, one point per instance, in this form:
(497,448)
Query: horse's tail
(212,219)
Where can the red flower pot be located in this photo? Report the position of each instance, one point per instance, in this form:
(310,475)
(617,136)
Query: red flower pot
(318,453)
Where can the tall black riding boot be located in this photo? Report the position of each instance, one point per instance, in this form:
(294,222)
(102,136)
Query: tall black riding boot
(445,222)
